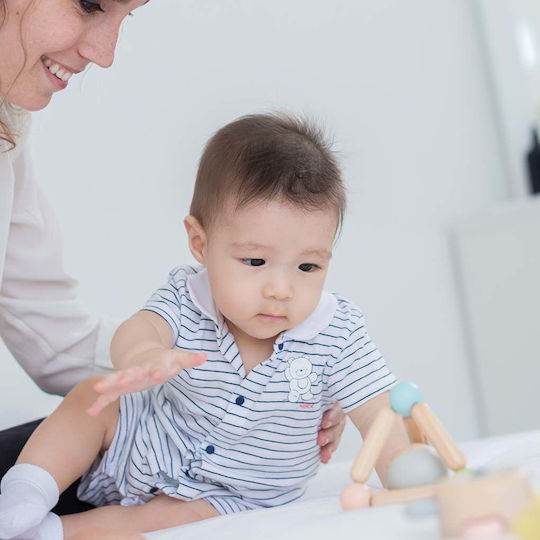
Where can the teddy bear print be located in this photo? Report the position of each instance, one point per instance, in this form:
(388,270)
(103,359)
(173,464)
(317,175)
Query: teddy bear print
(300,374)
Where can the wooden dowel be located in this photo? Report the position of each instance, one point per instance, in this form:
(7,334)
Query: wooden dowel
(398,496)
(371,447)
(415,435)
(437,435)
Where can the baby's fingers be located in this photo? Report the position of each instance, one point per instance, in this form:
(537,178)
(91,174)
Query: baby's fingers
(185,359)
(101,402)
(181,360)
(108,383)
(121,380)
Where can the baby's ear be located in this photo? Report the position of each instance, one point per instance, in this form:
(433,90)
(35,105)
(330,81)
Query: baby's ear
(196,238)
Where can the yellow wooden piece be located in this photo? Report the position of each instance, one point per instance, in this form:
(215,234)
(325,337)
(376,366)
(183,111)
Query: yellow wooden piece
(527,524)
(437,435)
(371,448)
(399,496)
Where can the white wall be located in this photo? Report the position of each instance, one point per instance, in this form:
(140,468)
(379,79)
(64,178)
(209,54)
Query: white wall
(400,85)
(509,31)
(498,257)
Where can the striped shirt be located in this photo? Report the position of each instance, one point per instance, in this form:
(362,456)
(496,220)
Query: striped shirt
(238,441)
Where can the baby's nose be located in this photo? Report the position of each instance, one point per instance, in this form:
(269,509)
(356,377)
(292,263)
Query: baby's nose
(278,287)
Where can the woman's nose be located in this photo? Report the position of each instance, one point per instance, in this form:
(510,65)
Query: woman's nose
(99,44)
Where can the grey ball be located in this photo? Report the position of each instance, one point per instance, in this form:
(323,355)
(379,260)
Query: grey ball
(416,467)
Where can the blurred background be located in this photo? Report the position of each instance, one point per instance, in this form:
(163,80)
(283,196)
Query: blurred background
(431,105)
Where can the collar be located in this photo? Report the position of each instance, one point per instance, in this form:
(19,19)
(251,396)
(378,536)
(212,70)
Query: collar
(201,295)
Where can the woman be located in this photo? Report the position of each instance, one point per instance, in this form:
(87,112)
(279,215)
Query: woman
(43,43)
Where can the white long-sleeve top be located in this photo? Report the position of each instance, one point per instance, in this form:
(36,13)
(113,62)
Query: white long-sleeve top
(54,339)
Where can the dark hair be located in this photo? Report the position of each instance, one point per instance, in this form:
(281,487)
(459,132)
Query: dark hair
(263,157)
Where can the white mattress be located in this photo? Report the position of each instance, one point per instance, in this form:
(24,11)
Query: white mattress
(318,516)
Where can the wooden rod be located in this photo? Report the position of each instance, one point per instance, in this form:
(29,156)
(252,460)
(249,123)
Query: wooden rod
(437,435)
(372,445)
(398,496)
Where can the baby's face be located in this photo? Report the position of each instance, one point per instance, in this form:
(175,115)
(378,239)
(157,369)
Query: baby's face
(267,264)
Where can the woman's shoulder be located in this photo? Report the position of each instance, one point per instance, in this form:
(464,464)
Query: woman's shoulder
(18,122)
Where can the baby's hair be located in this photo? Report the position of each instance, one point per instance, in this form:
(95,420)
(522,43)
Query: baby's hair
(264,157)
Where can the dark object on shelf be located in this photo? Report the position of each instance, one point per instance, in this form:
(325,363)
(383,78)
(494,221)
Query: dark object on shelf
(533,162)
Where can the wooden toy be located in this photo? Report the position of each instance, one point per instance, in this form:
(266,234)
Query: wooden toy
(471,504)
(407,482)
(484,504)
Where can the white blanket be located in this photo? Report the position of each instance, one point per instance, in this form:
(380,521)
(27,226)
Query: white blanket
(318,516)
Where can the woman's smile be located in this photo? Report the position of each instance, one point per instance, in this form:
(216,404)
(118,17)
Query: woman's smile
(59,70)
(57,74)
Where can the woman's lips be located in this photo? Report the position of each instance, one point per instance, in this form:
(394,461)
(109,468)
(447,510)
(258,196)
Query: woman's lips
(58,83)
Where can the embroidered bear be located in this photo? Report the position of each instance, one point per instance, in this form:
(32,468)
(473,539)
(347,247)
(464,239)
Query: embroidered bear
(300,374)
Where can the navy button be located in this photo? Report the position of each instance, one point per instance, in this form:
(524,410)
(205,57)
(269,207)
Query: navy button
(210,449)
(280,346)
(154,490)
(240,400)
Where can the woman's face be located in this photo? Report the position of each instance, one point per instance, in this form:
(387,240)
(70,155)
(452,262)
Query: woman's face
(59,38)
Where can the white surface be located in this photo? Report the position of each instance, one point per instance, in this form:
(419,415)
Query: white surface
(498,254)
(319,516)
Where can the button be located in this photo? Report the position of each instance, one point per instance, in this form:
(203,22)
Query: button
(210,449)
(154,490)
(240,400)
(280,346)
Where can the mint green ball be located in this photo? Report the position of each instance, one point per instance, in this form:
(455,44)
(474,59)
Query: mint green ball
(403,396)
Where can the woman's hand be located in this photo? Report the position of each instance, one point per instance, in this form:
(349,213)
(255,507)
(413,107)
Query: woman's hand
(332,426)
(149,368)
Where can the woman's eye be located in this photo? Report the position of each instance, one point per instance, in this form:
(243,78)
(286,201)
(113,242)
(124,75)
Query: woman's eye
(308,267)
(90,7)
(253,262)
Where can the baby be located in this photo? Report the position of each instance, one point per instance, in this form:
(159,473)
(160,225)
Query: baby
(223,377)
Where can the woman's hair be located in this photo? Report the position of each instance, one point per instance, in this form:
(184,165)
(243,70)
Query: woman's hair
(6,133)
(267,157)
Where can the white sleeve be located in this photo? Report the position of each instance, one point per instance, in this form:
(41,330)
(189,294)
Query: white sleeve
(54,339)
(360,372)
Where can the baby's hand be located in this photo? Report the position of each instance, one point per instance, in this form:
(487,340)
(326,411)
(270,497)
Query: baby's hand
(151,368)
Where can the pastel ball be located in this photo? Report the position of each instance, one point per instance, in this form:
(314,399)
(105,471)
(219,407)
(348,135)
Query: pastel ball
(355,497)
(416,467)
(403,396)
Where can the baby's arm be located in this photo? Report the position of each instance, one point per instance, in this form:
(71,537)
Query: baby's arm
(142,353)
(398,438)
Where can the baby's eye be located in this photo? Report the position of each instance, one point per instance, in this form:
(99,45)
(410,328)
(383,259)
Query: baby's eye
(90,7)
(308,267)
(253,262)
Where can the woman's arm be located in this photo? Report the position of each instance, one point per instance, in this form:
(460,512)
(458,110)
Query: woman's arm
(56,341)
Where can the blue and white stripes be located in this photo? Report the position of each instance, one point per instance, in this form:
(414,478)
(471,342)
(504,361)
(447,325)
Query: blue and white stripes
(239,441)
